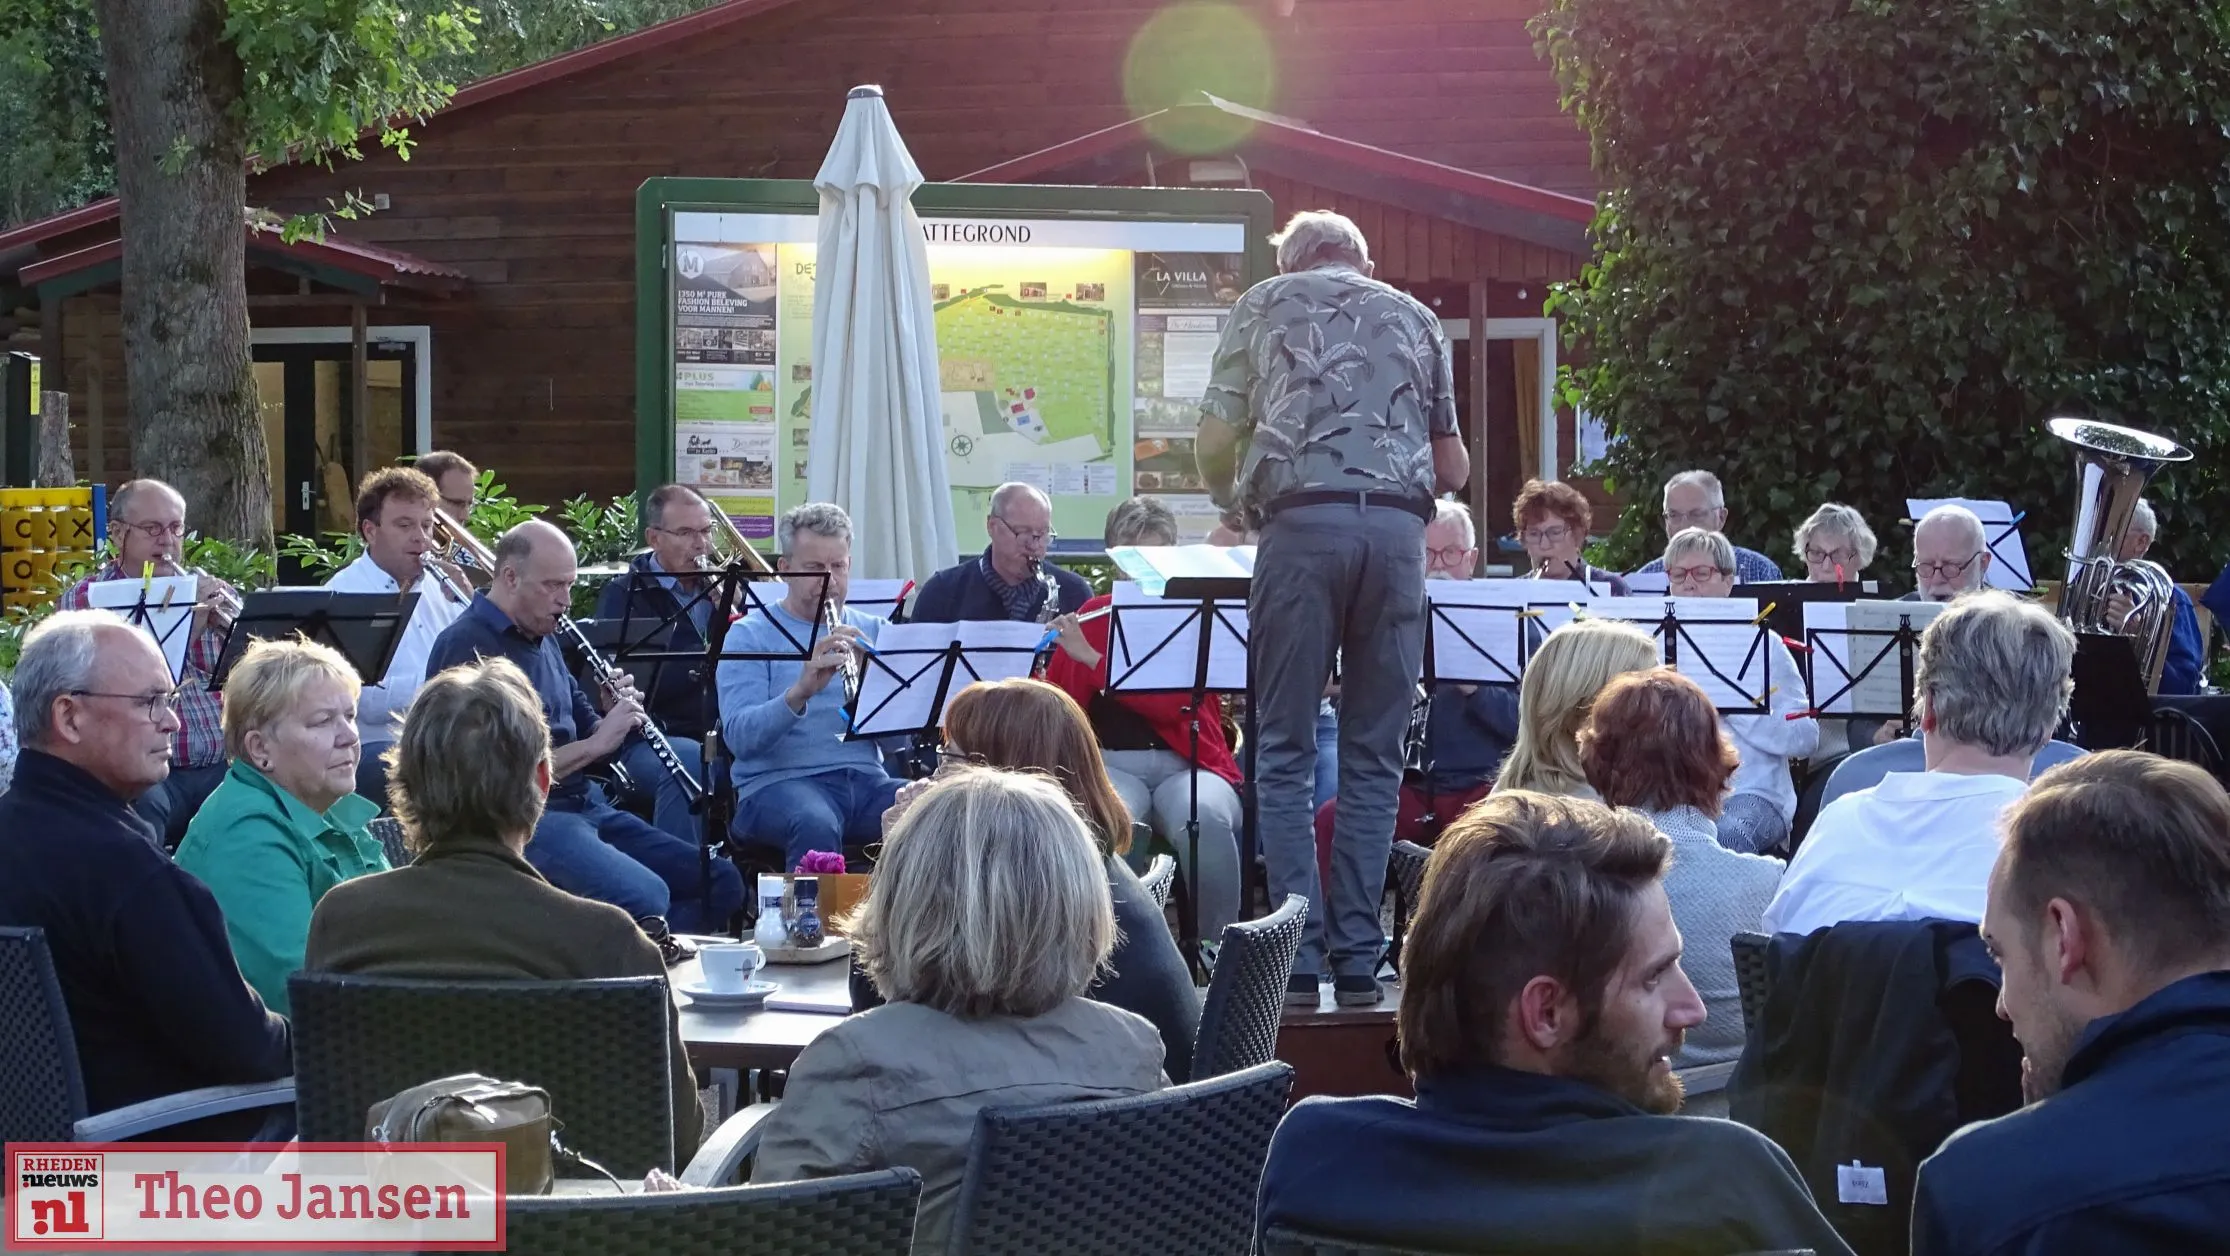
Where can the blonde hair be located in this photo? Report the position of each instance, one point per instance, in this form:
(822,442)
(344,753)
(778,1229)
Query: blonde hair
(270,678)
(463,766)
(1558,692)
(990,899)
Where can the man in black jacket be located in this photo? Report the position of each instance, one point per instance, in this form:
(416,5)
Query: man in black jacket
(2109,911)
(1011,579)
(664,585)
(1542,1002)
(155,997)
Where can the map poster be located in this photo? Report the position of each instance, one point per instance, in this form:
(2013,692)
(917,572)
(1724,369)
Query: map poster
(1183,302)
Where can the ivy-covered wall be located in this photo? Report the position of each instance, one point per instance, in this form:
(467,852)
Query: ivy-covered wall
(1856,250)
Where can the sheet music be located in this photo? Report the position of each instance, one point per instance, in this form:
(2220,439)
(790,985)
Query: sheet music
(1642,583)
(1154,566)
(165,615)
(1480,627)
(898,683)
(879,598)
(1859,674)
(2001,532)
(1721,646)
(1154,643)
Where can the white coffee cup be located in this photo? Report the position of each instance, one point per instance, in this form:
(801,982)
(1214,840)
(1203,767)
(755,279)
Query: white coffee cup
(728,966)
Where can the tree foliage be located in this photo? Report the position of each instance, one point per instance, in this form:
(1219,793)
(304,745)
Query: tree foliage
(1857,250)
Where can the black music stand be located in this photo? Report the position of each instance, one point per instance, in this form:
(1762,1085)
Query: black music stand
(1901,643)
(1690,657)
(1784,600)
(906,684)
(2110,708)
(364,627)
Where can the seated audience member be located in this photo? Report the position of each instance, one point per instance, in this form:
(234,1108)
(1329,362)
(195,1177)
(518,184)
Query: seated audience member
(1654,743)
(7,738)
(800,786)
(1835,544)
(147,525)
(666,584)
(468,778)
(1694,499)
(284,828)
(394,519)
(584,844)
(1991,685)
(1569,668)
(1542,1004)
(156,1001)
(1951,555)
(1030,726)
(1469,727)
(986,919)
(2110,915)
(1011,579)
(2186,662)
(1757,814)
(1147,740)
(1552,519)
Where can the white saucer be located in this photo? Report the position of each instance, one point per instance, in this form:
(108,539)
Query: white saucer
(752,995)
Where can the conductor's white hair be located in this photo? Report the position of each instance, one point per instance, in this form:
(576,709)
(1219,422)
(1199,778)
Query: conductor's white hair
(1455,513)
(1704,480)
(1319,237)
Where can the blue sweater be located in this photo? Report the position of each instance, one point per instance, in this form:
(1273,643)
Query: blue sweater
(2128,1158)
(1469,735)
(771,742)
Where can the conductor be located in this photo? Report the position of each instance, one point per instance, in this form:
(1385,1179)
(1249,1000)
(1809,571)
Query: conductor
(1341,389)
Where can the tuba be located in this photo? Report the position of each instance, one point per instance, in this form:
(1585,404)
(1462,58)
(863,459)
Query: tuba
(2112,466)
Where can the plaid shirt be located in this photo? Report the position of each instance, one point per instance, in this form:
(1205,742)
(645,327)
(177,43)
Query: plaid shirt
(200,739)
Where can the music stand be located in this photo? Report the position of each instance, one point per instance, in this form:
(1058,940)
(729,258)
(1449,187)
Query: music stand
(915,669)
(364,627)
(1784,600)
(2110,707)
(1836,646)
(1718,644)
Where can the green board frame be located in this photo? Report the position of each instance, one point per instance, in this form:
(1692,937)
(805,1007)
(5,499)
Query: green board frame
(659,199)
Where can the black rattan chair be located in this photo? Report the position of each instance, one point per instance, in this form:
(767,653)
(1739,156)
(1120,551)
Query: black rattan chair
(389,831)
(1239,1017)
(1160,874)
(1189,1160)
(599,1047)
(1405,873)
(863,1214)
(42,1092)
(1752,978)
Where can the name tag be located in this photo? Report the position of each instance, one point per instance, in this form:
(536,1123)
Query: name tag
(1856,1183)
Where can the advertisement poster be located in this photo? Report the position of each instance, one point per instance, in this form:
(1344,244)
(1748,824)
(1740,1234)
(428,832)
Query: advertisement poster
(724,395)
(1183,300)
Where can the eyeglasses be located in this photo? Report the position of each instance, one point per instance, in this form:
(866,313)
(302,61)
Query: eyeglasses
(153,705)
(1946,569)
(1691,518)
(688,534)
(1694,574)
(1041,536)
(1447,556)
(1830,558)
(1546,536)
(154,531)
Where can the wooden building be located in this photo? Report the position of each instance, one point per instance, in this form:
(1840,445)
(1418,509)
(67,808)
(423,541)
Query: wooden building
(496,283)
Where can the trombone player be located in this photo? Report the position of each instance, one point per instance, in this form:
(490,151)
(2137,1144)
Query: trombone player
(667,581)
(800,786)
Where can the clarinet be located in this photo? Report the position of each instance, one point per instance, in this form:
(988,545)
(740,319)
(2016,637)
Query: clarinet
(1414,742)
(609,677)
(830,621)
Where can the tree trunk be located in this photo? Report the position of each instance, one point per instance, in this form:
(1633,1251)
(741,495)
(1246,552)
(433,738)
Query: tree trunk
(174,85)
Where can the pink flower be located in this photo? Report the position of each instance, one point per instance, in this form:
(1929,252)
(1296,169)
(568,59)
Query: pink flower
(821,862)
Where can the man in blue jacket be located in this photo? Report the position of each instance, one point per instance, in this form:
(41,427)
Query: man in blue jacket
(1542,1002)
(666,585)
(2109,910)
(1011,579)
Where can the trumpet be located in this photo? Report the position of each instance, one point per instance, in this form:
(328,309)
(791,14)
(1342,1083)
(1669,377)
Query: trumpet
(449,533)
(223,601)
(830,621)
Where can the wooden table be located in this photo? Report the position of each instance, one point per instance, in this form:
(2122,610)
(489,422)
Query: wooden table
(729,1038)
(1338,1050)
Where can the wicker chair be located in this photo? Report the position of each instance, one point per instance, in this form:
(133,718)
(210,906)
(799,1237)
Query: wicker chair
(1160,874)
(1405,873)
(42,1093)
(1189,1161)
(389,831)
(1239,1017)
(1752,978)
(863,1214)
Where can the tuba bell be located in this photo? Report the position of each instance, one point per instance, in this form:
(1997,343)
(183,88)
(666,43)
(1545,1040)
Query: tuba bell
(2112,466)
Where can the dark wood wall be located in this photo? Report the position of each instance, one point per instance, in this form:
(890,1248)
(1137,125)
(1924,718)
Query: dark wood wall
(532,194)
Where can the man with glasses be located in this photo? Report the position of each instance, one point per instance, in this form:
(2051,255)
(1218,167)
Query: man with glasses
(458,482)
(1694,499)
(1011,579)
(147,526)
(665,585)
(1951,555)
(156,1001)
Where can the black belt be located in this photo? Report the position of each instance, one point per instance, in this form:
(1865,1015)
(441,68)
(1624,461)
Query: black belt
(1422,507)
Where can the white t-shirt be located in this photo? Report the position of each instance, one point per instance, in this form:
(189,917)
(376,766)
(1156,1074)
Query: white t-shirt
(380,706)
(1918,846)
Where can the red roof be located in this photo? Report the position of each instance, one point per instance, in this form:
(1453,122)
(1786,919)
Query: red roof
(386,266)
(1292,148)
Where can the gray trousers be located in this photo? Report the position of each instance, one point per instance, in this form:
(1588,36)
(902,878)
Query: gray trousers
(1346,580)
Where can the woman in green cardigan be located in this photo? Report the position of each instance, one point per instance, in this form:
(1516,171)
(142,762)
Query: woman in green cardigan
(285,826)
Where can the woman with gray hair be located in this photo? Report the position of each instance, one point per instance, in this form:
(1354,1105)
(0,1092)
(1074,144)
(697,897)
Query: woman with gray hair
(1762,798)
(1835,544)
(986,920)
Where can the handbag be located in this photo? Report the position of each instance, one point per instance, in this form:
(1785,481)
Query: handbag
(470,1108)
